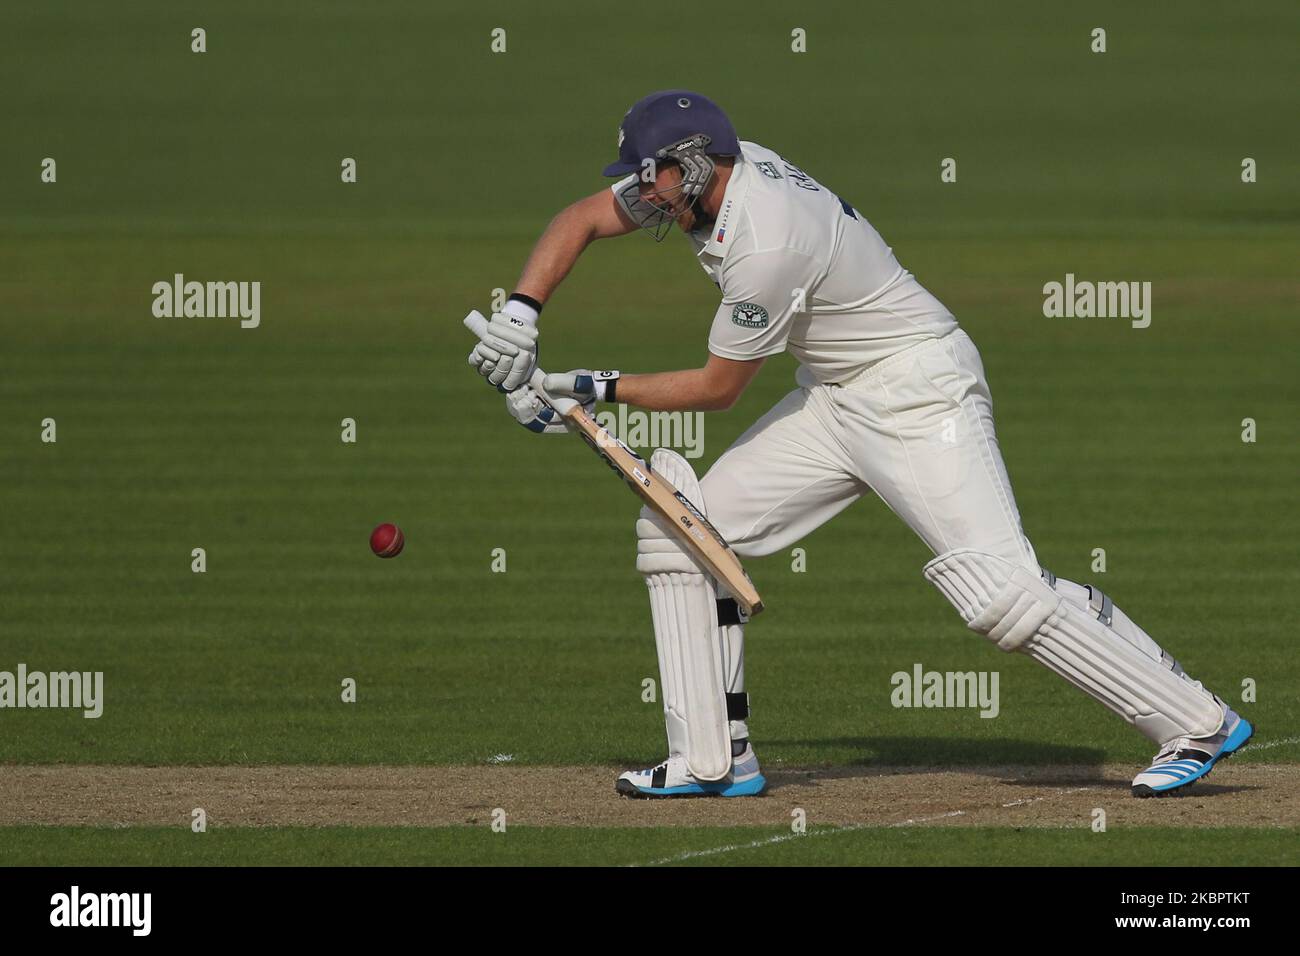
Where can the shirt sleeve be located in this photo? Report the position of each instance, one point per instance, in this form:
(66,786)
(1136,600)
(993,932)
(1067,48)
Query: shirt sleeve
(760,292)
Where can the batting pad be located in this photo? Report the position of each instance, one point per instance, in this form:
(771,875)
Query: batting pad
(683,607)
(1019,611)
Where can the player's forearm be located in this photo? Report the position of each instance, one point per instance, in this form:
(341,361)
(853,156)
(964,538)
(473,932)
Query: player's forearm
(559,247)
(691,390)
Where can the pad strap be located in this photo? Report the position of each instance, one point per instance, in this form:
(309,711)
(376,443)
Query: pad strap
(738,706)
(729,613)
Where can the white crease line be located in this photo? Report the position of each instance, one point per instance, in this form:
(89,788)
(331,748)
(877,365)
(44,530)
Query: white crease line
(1059,793)
(714,851)
(1269,744)
(937,816)
(785,837)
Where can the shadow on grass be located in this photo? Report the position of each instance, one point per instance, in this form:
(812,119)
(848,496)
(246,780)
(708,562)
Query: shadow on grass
(942,752)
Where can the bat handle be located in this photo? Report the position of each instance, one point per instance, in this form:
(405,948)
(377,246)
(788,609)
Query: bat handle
(477,324)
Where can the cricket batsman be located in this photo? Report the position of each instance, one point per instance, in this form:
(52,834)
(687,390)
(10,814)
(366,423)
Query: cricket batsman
(891,399)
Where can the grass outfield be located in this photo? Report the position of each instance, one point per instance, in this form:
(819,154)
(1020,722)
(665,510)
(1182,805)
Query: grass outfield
(638,846)
(175,434)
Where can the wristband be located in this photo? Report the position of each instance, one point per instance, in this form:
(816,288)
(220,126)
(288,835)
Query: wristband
(606,385)
(523,307)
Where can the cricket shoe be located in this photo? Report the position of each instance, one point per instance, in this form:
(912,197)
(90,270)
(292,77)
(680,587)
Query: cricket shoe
(1185,760)
(672,779)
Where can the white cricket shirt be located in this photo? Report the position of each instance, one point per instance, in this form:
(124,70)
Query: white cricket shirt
(803,271)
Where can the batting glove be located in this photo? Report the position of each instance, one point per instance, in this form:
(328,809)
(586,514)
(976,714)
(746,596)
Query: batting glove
(528,409)
(507,352)
(584,386)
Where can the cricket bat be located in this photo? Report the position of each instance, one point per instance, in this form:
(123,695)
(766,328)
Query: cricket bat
(687,522)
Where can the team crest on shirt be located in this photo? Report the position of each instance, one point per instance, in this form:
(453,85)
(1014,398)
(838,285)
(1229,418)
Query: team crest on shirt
(769,170)
(750,315)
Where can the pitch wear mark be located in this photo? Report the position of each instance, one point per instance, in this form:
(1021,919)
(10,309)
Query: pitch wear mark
(749,315)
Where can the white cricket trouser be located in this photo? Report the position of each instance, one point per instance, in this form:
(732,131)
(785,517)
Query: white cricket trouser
(915,428)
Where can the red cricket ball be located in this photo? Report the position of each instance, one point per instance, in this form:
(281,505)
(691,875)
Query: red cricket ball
(387,541)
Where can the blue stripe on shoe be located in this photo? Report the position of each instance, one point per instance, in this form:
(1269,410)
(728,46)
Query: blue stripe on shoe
(1240,734)
(1177,774)
(1185,778)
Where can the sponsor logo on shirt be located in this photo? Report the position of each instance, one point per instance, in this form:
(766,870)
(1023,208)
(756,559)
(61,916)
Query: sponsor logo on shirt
(768,170)
(722,219)
(750,315)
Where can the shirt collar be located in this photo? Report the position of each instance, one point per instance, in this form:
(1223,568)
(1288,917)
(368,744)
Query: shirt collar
(724,228)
